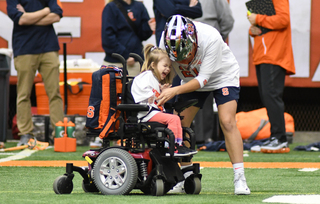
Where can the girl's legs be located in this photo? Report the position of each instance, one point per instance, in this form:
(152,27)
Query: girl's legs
(173,122)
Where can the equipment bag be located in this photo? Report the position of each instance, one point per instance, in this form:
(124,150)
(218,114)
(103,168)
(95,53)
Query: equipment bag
(254,125)
(104,97)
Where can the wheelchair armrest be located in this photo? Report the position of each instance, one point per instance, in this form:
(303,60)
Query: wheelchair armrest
(180,106)
(132,107)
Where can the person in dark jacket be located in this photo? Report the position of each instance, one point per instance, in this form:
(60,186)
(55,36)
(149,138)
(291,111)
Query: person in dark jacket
(163,9)
(35,48)
(118,36)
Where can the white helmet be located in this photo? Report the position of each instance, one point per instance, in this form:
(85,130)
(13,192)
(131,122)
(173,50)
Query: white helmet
(180,38)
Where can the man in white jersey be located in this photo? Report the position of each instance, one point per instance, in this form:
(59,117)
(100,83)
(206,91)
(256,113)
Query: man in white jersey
(205,64)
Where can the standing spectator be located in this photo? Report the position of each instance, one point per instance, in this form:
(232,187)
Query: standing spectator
(35,47)
(124,34)
(216,13)
(163,9)
(205,64)
(273,58)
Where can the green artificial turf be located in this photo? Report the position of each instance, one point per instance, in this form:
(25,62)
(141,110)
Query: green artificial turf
(35,184)
(292,156)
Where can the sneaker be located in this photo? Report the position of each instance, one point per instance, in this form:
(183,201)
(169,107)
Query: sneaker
(179,187)
(97,143)
(255,148)
(275,146)
(240,185)
(24,139)
(182,151)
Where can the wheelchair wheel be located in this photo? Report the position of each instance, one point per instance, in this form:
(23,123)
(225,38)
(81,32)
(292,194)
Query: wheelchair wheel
(89,188)
(115,172)
(147,190)
(157,187)
(62,185)
(192,185)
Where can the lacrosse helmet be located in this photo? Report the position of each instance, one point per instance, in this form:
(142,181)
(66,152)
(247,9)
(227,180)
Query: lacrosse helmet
(180,38)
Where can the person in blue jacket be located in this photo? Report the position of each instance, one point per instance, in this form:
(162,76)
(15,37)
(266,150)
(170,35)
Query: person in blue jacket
(118,36)
(35,48)
(163,9)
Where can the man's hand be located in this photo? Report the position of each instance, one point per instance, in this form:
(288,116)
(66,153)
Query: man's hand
(255,30)
(252,18)
(20,8)
(152,24)
(193,3)
(166,95)
(130,61)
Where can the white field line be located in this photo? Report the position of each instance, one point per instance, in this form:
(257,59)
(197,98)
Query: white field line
(293,199)
(23,154)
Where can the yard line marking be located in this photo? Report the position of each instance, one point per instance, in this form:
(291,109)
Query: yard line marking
(293,199)
(308,169)
(7,153)
(23,154)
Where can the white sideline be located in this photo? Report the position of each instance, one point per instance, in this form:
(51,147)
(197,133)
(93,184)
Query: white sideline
(293,199)
(23,154)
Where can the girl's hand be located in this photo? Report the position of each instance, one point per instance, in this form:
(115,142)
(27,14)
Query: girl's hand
(164,86)
(151,100)
(255,30)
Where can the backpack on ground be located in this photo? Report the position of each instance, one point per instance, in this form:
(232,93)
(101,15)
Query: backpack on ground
(254,125)
(104,97)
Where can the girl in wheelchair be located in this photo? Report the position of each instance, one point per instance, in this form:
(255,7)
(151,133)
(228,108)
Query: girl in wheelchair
(147,86)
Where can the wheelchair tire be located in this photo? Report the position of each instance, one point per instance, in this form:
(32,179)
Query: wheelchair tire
(89,188)
(192,185)
(157,187)
(62,185)
(147,190)
(115,172)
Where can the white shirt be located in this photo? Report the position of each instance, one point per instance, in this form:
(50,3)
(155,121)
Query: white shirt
(144,86)
(214,65)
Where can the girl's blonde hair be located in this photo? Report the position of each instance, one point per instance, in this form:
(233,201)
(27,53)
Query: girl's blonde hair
(154,54)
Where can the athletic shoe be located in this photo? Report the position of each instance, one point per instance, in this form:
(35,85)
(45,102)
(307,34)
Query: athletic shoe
(257,148)
(179,187)
(275,146)
(182,151)
(240,185)
(24,139)
(97,143)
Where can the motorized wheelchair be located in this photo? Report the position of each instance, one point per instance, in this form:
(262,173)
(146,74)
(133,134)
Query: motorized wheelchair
(140,161)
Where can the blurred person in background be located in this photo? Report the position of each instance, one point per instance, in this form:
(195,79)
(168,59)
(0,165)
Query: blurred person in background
(163,9)
(125,25)
(35,48)
(273,58)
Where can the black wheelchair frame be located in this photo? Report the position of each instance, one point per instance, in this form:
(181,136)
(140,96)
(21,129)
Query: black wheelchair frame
(139,162)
